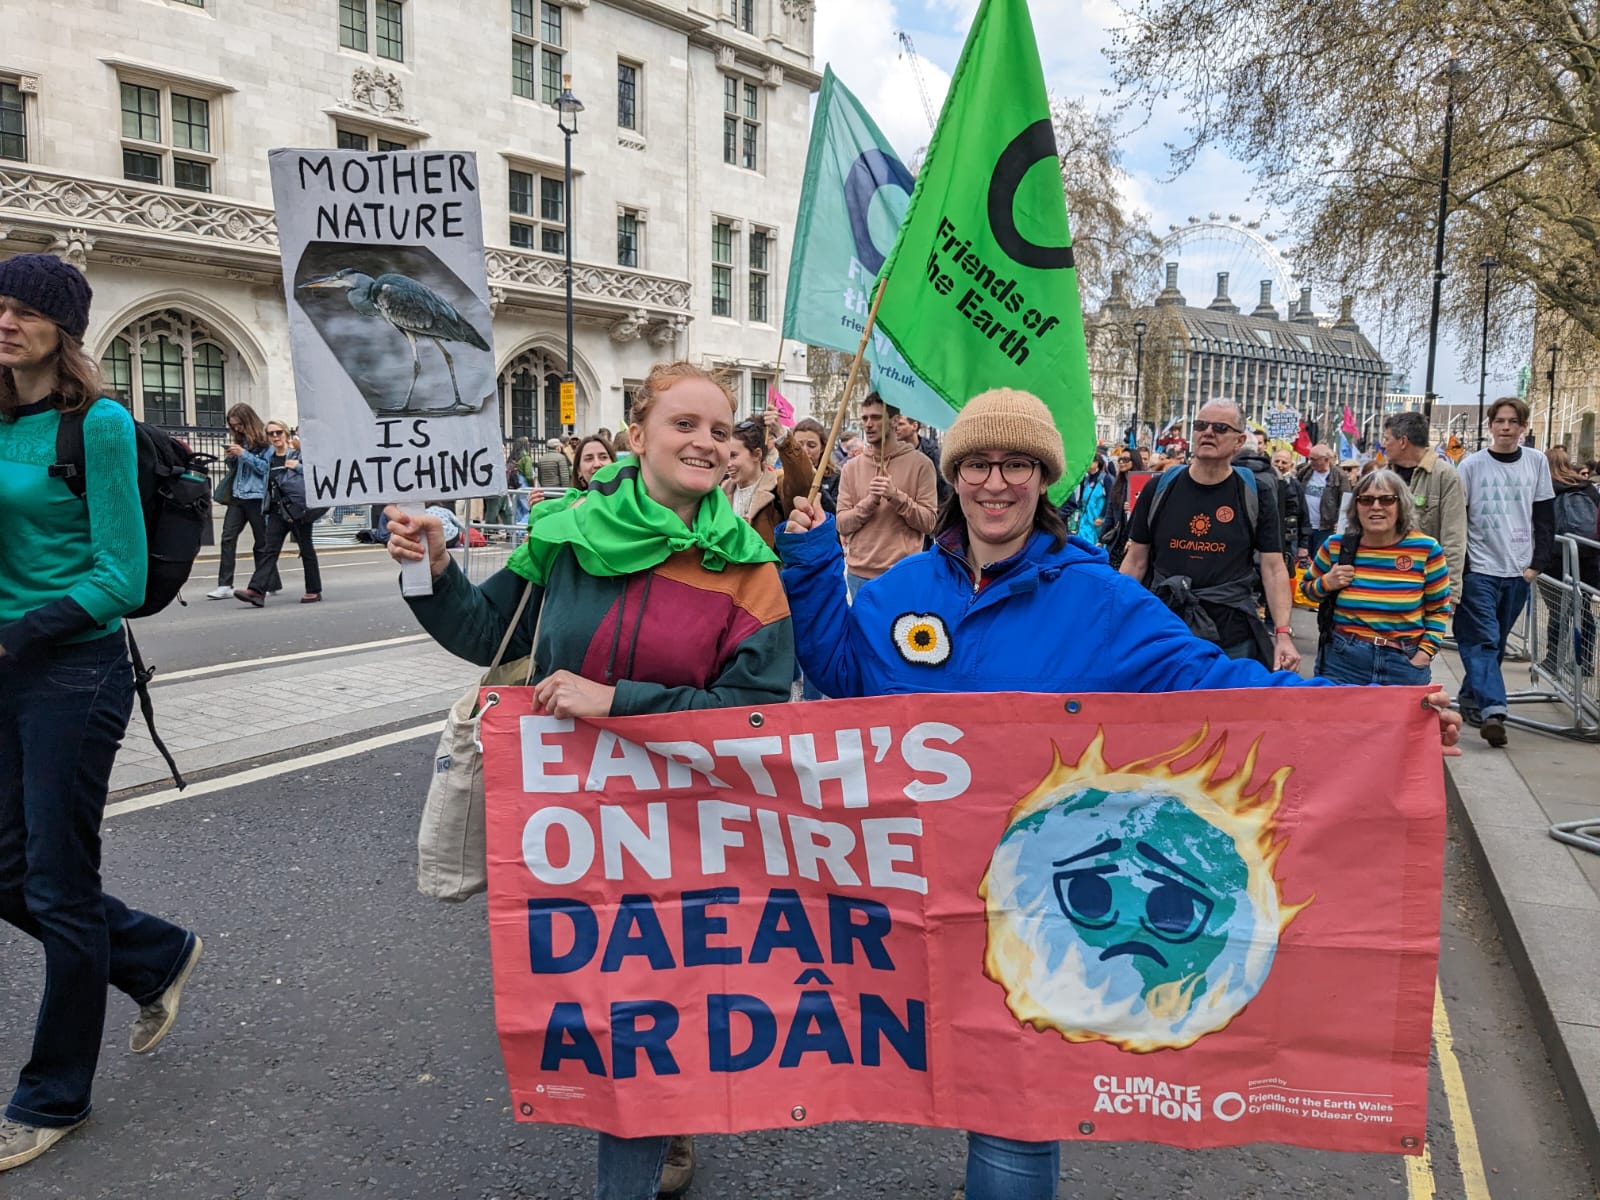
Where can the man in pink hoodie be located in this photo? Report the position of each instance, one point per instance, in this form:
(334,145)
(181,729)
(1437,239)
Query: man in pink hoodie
(887,498)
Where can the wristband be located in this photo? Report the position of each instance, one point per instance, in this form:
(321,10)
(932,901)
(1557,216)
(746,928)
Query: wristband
(1284,629)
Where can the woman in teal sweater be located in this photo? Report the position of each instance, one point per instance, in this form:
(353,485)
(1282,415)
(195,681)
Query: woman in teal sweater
(69,569)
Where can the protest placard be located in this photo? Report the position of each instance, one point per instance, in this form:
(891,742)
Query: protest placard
(1163,918)
(389,324)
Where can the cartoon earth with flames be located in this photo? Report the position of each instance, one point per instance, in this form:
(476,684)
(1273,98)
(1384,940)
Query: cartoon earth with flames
(1137,905)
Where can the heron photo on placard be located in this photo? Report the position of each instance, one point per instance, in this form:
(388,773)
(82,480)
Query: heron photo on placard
(410,334)
(389,323)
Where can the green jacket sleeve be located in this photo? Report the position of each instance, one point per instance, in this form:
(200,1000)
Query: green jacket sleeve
(469,619)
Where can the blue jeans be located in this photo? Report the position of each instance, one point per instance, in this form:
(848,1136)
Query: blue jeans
(1001,1169)
(1490,606)
(852,584)
(629,1168)
(1353,661)
(61,721)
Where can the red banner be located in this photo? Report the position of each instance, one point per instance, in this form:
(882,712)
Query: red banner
(1176,918)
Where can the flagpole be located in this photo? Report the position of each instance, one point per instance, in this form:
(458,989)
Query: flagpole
(844,398)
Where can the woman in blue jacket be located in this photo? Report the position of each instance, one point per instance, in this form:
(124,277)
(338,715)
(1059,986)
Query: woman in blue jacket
(1005,601)
(249,464)
(69,569)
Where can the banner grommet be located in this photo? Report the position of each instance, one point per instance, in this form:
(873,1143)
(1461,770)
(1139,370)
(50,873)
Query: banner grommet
(798,1112)
(757,720)
(1086,1127)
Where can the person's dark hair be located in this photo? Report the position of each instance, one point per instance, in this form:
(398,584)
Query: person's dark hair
(1046,519)
(1135,459)
(1520,407)
(78,381)
(889,410)
(1412,426)
(812,425)
(577,480)
(752,435)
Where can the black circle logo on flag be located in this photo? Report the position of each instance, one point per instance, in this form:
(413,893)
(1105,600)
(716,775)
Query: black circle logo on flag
(1033,144)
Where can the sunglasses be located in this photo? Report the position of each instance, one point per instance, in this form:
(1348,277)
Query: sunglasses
(1385,501)
(277,433)
(1215,427)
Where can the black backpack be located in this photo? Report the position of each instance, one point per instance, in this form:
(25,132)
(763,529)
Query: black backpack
(1577,514)
(175,498)
(1347,555)
(174,495)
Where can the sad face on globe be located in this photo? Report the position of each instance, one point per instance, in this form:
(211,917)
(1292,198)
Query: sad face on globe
(1136,905)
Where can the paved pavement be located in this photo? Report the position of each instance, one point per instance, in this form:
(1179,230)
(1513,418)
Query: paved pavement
(1545,895)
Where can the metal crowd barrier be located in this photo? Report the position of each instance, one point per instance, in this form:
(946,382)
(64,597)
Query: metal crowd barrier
(479,562)
(1557,632)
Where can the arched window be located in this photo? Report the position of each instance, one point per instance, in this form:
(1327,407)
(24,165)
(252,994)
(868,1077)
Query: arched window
(530,391)
(171,370)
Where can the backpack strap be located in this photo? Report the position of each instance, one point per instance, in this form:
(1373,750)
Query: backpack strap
(70,460)
(1348,549)
(1252,495)
(1162,485)
(141,683)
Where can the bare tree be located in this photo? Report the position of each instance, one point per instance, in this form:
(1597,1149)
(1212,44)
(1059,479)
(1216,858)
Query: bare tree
(1339,107)
(1106,234)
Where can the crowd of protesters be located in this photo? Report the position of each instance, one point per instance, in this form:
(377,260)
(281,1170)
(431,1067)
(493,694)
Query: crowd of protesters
(1012,592)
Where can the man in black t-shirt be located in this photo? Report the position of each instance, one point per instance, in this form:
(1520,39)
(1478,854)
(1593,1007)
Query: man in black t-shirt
(1204,557)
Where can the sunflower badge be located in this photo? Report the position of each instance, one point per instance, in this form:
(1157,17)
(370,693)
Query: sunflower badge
(922,638)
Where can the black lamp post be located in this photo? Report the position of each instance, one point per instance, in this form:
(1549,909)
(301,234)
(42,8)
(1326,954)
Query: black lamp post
(1489,263)
(1550,417)
(1452,69)
(1317,407)
(1139,328)
(568,106)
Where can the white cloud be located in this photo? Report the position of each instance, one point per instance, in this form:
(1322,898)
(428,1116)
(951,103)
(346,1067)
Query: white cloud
(857,39)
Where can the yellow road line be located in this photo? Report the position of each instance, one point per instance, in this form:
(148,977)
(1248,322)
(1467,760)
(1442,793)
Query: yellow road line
(1419,1176)
(1474,1183)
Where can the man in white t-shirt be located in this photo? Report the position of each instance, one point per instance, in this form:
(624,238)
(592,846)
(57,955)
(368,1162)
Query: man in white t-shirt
(1510,536)
(1325,490)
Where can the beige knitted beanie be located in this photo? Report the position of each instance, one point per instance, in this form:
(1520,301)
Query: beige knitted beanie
(1004,419)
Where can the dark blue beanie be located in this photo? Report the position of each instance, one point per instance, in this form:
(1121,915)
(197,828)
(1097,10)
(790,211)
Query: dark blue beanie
(55,288)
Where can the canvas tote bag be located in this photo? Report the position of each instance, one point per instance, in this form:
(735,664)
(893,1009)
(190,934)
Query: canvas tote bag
(451,843)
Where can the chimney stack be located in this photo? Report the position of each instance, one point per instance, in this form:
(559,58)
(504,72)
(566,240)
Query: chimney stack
(1117,301)
(1170,295)
(1265,309)
(1347,320)
(1303,315)
(1222,303)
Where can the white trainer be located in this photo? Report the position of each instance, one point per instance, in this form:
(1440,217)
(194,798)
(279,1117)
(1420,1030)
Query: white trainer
(221,592)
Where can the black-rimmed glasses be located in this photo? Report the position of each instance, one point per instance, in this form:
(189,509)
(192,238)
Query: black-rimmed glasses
(976,471)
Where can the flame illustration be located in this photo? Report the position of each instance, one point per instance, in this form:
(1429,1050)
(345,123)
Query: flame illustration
(1055,980)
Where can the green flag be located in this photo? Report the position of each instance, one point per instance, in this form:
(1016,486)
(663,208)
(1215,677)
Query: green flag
(854,194)
(980,290)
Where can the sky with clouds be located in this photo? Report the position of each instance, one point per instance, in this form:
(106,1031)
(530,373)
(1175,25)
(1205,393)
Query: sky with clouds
(858,39)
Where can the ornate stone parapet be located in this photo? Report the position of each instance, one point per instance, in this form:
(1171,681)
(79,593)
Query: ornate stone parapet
(626,289)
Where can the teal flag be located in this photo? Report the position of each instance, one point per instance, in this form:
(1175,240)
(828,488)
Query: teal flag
(853,198)
(980,290)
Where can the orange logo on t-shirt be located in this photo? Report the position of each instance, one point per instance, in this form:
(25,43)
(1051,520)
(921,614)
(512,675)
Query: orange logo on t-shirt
(1224,515)
(1402,562)
(1199,525)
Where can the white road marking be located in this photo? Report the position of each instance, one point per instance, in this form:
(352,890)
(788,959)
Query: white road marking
(271,770)
(325,652)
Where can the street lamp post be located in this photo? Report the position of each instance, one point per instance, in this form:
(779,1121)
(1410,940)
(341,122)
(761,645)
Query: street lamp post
(1139,328)
(1550,416)
(1488,264)
(1452,69)
(567,105)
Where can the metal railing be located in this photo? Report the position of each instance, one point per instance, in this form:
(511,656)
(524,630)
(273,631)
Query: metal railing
(500,541)
(1557,633)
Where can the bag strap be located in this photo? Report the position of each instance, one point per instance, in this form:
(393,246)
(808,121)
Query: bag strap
(70,458)
(141,683)
(516,619)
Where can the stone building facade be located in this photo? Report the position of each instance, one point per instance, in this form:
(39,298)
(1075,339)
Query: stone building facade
(134,138)
(1265,359)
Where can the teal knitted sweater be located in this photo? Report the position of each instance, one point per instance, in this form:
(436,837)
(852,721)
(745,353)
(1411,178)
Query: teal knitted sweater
(69,568)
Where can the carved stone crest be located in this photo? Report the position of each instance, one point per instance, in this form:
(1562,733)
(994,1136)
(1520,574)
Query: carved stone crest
(73,247)
(800,10)
(630,327)
(376,89)
(665,333)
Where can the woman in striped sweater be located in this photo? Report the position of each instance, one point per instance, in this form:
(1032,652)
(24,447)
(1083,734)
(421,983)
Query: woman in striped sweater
(1392,602)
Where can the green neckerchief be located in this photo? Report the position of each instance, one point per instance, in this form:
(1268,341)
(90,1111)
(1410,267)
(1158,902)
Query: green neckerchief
(615,528)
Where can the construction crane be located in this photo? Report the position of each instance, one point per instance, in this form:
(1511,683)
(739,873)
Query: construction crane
(906,48)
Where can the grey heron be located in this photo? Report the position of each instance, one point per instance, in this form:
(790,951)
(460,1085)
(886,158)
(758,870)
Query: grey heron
(415,309)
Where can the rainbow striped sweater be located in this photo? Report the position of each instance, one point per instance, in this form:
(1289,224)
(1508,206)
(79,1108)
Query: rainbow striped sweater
(1400,591)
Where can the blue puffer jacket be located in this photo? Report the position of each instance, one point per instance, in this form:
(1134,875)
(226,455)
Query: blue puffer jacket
(1048,621)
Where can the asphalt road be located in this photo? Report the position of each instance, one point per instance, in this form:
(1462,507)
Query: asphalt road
(338,1040)
(361,604)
